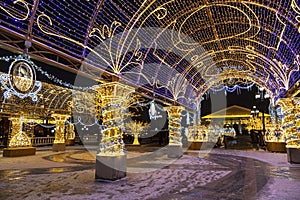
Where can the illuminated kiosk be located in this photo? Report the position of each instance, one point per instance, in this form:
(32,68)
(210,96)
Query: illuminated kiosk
(20,143)
(111,159)
(175,144)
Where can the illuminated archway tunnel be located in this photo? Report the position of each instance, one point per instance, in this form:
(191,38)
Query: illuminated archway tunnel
(200,43)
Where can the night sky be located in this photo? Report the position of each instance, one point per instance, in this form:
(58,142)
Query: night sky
(245,98)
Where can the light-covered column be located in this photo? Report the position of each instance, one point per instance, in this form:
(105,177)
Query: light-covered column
(59,142)
(70,134)
(111,159)
(19,143)
(18,137)
(290,108)
(175,137)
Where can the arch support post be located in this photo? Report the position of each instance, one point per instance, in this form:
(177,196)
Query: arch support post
(19,143)
(59,142)
(111,159)
(175,137)
(291,124)
(70,135)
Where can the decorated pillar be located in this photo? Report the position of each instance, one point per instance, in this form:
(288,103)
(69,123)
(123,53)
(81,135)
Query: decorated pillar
(111,159)
(59,142)
(70,134)
(175,138)
(290,108)
(19,143)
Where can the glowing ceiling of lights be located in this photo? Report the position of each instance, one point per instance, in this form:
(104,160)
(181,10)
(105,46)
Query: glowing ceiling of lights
(180,47)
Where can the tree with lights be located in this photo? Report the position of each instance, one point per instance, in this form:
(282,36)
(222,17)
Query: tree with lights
(135,128)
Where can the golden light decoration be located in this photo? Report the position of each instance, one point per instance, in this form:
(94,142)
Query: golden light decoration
(290,108)
(60,121)
(197,133)
(135,128)
(19,138)
(15,13)
(174,116)
(113,104)
(70,132)
(252,34)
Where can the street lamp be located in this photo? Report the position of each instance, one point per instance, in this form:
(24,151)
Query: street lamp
(262,95)
(254,112)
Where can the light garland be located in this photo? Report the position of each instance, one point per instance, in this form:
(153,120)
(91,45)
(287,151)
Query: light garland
(264,48)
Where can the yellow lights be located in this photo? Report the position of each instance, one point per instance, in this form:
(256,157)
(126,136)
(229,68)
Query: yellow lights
(296,8)
(19,138)
(135,128)
(70,133)
(291,122)
(114,101)
(174,113)
(16,14)
(60,121)
(197,133)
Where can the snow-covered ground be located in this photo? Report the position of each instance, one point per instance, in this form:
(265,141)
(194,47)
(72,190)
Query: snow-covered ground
(71,175)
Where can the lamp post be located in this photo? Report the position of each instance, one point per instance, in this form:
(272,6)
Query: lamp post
(254,114)
(262,95)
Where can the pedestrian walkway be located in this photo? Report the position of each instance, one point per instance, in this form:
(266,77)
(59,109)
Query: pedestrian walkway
(215,174)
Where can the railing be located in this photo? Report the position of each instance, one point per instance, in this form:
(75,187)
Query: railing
(42,141)
(90,139)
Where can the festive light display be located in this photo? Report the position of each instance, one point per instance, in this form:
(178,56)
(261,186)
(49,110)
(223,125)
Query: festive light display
(274,133)
(70,132)
(135,128)
(197,133)
(242,41)
(19,138)
(113,104)
(21,79)
(174,116)
(60,128)
(290,108)
(245,42)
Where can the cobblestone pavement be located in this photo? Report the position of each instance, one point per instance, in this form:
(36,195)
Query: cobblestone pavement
(220,174)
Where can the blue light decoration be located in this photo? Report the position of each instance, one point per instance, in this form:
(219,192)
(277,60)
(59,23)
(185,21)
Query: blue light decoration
(233,88)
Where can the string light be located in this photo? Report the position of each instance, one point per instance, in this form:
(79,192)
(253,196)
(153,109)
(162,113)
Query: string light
(243,35)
